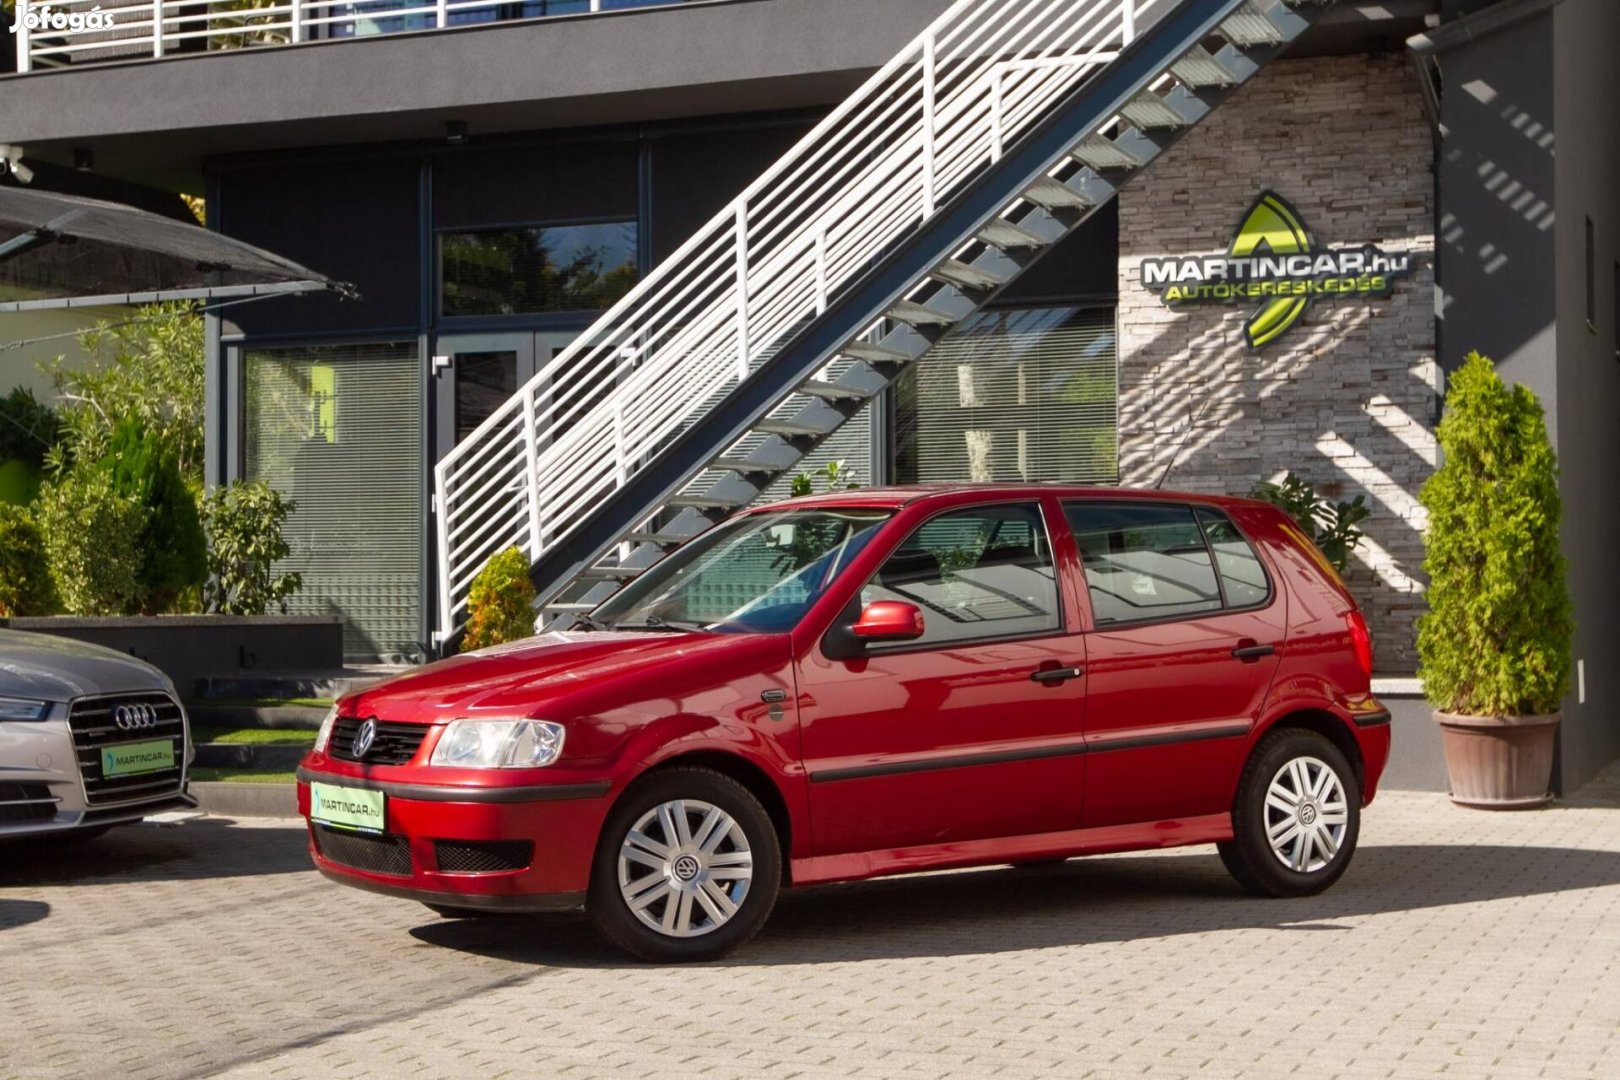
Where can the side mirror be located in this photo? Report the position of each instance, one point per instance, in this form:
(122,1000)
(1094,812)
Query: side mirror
(888,620)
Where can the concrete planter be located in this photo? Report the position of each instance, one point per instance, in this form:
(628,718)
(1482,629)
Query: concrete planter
(1499,762)
(187,648)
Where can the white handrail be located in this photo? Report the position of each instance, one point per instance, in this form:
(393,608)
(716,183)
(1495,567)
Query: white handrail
(900,146)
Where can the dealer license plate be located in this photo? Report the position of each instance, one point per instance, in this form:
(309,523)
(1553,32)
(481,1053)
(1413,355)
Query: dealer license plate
(130,759)
(347,807)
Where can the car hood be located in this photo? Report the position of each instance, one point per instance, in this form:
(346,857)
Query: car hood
(45,667)
(592,671)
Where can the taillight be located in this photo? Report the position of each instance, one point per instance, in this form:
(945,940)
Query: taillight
(1361,641)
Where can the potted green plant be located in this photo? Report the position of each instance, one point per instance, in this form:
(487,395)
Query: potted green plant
(1495,645)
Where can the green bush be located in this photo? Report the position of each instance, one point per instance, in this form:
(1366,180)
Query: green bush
(500,606)
(174,549)
(245,523)
(1330,525)
(1497,638)
(25,578)
(92,542)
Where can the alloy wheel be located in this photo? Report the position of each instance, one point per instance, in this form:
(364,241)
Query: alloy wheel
(685,868)
(1306,814)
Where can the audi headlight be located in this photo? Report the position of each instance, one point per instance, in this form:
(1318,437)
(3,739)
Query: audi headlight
(499,744)
(23,709)
(326,730)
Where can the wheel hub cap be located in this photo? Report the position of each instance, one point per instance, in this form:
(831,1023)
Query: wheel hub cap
(685,868)
(1306,815)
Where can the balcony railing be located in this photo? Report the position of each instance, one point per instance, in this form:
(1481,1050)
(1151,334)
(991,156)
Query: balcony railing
(52,35)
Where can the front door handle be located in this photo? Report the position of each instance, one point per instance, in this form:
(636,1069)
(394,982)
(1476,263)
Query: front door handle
(1253,652)
(1056,674)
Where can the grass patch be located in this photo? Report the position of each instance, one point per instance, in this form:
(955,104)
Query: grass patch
(251,736)
(261,703)
(241,776)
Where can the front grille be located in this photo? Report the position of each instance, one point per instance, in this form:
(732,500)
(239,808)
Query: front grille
(94,725)
(482,857)
(395,744)
(362,851)
(26,802)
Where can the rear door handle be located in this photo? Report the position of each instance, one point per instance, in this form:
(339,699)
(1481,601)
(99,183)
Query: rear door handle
(1253,652)
(1056,674)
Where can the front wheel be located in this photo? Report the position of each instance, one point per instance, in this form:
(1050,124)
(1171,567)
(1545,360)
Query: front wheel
(1296,818)
(688,867)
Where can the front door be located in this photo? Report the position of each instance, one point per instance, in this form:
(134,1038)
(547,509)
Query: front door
(970,732)
(475,375)
(1185,636)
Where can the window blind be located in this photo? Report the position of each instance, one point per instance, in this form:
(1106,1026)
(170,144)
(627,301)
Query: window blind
(1013,395)
(335,428)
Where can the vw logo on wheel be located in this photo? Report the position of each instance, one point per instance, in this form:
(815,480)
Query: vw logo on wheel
(364,738)
(134,717)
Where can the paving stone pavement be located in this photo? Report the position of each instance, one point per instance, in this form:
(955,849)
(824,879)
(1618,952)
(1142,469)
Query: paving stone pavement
(1460,944)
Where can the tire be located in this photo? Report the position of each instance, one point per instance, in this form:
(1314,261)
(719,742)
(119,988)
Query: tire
(721,875)
(1317,839)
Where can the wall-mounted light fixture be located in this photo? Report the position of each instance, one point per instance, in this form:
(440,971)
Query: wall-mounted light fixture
(455,132)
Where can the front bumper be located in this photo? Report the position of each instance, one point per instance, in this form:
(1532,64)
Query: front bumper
(421,821)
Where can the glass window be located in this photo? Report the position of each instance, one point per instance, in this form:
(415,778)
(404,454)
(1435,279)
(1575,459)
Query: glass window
(975,573)
(1142,561)
(1242,576)
(537,269)
(754,574)
(1013,395)
(337,430)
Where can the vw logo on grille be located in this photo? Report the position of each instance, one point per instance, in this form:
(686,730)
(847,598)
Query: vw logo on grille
(135,717)
(364,738)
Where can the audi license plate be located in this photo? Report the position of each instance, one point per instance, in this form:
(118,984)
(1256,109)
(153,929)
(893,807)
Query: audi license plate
(130,759)
(347,807)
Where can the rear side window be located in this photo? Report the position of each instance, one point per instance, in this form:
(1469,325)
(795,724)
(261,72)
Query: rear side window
(1161,561)
(977,573)
(1242,577)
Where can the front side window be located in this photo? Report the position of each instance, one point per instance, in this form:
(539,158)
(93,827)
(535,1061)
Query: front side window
(977,573)
(535,269)
(1143,561)
(755,574)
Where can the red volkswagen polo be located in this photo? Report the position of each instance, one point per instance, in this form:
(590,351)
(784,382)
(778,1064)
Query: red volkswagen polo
(875,682)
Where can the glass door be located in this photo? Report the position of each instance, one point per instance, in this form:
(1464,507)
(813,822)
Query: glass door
(475,375)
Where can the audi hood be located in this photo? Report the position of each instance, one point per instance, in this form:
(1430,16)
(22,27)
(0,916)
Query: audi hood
(43,667)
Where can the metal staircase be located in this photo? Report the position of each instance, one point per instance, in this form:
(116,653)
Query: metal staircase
(912,205)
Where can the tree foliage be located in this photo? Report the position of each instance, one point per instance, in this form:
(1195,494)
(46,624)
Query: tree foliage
(1497,638)
(245,523)
(25,581)
(500,605)
(92,533)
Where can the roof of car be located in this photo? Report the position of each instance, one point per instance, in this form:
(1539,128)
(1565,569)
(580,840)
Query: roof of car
(899,495)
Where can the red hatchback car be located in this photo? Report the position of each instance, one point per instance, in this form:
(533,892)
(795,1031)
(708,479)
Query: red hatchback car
(875,682)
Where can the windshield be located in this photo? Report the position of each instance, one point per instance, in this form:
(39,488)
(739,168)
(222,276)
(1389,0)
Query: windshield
(755,574)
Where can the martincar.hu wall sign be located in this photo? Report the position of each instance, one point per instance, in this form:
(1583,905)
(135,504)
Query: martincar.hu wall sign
(1274,260)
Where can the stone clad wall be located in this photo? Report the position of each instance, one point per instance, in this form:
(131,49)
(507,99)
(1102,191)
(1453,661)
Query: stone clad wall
(1347,397)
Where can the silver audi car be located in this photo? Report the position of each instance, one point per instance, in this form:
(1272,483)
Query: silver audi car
(89,738)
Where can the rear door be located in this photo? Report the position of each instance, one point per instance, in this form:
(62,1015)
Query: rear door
(1185,632)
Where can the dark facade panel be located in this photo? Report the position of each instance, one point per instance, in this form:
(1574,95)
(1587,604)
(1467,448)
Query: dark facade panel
(693,175)
(587,180)
(355,221)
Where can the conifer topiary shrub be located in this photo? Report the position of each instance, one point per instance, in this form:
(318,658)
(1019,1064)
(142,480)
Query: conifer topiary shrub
(25,580)
(500,605)
(1497,638)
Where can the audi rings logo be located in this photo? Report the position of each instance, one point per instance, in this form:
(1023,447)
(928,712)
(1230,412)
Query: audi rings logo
(135,717)
(364,738)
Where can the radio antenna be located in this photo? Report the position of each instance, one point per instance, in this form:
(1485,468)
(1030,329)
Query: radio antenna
(1182,445)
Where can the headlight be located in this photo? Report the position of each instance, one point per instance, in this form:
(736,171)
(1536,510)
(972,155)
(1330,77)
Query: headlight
(23,709)
(499,744)
(326,730)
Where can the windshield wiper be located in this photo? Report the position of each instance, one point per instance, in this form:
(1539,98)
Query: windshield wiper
(590,622)
(668,626)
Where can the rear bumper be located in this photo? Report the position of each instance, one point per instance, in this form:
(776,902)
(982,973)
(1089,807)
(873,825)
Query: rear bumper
(1372,729)
(561,821)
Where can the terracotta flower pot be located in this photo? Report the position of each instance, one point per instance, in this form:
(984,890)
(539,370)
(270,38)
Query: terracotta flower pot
(1499,762)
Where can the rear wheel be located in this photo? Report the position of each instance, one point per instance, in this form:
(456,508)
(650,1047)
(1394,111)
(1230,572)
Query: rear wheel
(1297,816)
(688,867)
